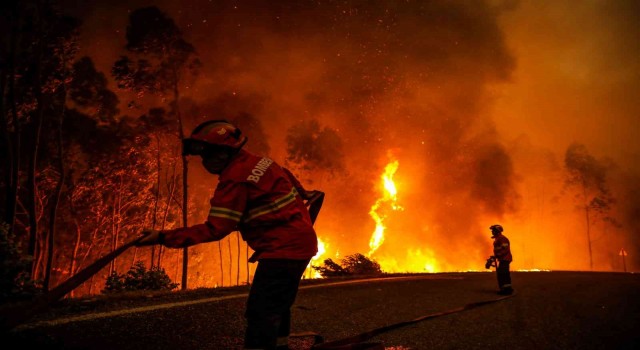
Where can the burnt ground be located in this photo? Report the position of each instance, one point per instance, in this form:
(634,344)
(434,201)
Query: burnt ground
(550,310)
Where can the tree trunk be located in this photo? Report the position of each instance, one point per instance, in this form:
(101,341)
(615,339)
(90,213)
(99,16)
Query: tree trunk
(170,193)
(586,212)
(113,238)
(221,267)
(56,199)
(185,177)
(588,219)
(156,200)
(74,255)
(11,147)
(118,217)
(32,186)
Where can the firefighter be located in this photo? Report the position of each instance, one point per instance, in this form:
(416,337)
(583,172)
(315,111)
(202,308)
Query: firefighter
(265,203)
(502,254)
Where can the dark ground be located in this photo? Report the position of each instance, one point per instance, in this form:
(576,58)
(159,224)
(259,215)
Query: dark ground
(550,310)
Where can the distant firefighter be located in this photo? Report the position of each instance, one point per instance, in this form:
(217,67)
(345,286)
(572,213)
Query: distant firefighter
(502,257)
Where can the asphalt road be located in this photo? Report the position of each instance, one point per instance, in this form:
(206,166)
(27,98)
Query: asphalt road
(550,310)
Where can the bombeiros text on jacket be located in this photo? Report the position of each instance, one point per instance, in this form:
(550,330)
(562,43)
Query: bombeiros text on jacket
(259,169)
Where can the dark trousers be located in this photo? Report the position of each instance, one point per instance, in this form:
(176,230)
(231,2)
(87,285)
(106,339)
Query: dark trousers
(273,292)
(504,275)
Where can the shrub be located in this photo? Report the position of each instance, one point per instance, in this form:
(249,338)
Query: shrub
(139,278)
(352,265)
(330,269)
(15,278)
(358,264)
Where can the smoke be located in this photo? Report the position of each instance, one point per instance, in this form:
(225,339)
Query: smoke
(314,148)
(494,183)
(407,78)
(575,82)
(476,107)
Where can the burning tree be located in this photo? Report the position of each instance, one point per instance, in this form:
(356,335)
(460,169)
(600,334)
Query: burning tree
(158,125)
(589,177)
(34,71)
(162,59)
(107,186)
(312,147)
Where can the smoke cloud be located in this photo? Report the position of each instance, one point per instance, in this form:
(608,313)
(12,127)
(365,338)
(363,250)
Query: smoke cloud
(476,106)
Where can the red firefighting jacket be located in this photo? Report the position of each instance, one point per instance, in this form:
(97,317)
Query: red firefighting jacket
(256,197)
(501,248)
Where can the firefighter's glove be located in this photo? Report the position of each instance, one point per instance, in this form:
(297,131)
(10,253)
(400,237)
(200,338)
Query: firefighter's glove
(489,262)
(150,237)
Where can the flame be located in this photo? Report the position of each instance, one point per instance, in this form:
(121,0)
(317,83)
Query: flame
(389,196)
(417,260)
(322,248)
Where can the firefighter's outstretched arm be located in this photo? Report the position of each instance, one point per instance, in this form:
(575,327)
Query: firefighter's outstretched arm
(150,237)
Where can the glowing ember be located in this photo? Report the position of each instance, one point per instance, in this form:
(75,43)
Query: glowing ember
(389,196)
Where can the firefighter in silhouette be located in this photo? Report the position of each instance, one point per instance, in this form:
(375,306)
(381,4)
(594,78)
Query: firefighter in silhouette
(265,203)
(503,258)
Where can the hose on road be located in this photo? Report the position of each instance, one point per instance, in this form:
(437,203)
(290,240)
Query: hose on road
(361,341)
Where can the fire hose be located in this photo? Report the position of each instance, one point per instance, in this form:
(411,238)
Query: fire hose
(20,314)
(361,341)
(12,317)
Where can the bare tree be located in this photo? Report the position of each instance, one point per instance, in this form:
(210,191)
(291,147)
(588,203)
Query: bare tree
(589,177)
(311,147)
(157,125)
(163,58)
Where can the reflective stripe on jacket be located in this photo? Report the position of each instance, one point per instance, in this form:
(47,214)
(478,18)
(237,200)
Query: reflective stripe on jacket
(501,248)
(256,197)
